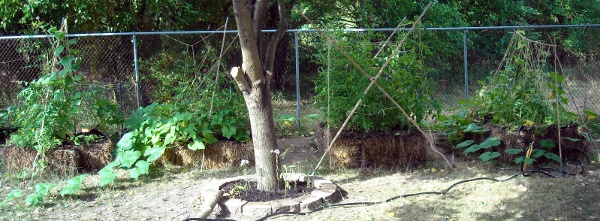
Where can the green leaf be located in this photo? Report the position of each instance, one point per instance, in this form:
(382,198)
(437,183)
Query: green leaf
(128,158)
(72,41)
(485,157)
(141,167)
(514,151)
(228,131)
(209,138)
(67,61)
(572,139)
(170,138)
(73,185)
(556,77)
(529,161)
(537,153)
(472,149)
(41,190)
(59,50)
(490,142)
(465,143)
(472,127)
(154,153)
(547,143)
(107,174)
(553,157)
(196,145)
(60,35)
(126,142)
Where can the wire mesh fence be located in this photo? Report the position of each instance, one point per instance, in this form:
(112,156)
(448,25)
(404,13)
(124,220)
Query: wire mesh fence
(184,65)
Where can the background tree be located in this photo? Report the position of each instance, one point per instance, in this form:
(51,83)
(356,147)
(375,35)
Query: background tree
(254,79)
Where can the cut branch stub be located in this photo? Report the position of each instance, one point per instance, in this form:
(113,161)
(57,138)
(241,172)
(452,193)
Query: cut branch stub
(240,78)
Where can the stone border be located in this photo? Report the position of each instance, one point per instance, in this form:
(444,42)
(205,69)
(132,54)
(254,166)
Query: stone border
(325,192)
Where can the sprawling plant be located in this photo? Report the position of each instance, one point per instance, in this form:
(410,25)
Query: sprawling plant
(157,127)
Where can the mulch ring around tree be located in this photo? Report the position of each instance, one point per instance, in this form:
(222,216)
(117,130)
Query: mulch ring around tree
(248,191)
(62,160)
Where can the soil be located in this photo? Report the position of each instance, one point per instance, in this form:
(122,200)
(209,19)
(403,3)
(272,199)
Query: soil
(252,194)
(173,193)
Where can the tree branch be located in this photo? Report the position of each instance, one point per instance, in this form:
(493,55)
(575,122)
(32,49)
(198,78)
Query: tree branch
(260,9)
(247,41)
(271,48)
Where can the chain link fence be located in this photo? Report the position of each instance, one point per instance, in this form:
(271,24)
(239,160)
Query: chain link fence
(172,60)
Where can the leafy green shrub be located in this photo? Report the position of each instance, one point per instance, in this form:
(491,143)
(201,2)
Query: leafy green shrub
(523,90)
(49,108)
(159,126)
(404,79)
(457,126)
(45,109)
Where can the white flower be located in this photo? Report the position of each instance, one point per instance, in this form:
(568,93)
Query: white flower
(276,151)
(244,162)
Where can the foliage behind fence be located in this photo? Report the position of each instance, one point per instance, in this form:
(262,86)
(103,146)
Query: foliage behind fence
(178,66)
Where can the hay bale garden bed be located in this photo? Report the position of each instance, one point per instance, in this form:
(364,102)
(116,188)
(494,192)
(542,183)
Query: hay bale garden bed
(391,149)
(62,160)
(224,153)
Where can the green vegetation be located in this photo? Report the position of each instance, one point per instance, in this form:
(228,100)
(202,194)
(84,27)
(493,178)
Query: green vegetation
(404,79)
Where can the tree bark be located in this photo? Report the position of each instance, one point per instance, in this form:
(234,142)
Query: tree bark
(253,80)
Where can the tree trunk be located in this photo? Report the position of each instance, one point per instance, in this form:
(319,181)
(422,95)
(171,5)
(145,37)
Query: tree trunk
(253,79)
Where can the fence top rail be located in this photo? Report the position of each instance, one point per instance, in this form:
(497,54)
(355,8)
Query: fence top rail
(307,30)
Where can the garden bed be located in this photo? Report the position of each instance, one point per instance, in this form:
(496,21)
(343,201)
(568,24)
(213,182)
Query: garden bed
(574,145)
(61,160)
(221,154)
(353,149)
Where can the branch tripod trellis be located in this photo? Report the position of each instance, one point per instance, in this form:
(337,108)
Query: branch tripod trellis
(374,83)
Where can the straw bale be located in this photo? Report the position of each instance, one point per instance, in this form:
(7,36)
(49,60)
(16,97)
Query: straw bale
(218,155)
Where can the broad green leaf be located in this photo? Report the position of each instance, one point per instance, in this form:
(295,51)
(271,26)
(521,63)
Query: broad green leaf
(126,142)
(73,185)
(514,151)
(485,157)
(129,157)
(547,143)
(67,61)
(228,131)
(209,138)
(141,167)
(34,199)
(529,161)
(59,50)
(537,153)
(196,145)
(553,157)
(44,187)
(154,153)
(465,143)
(107,174)
(72,41)
(170,138)
(472,149)
(490,142)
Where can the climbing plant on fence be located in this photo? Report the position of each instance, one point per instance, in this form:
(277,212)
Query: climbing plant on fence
(404,79)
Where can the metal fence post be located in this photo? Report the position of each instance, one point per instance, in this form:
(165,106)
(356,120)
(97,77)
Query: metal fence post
(297,80)
(137,79)
(466,64)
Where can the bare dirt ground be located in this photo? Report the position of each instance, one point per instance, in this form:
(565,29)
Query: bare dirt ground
(174,193)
